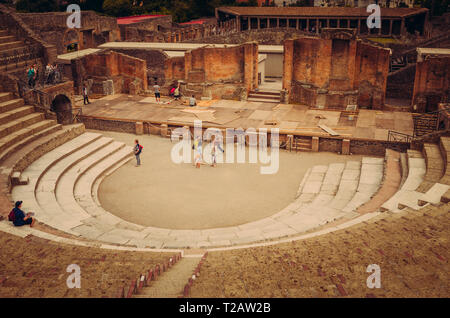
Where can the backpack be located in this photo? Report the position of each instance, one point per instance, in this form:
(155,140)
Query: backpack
(140,148)
(12,216)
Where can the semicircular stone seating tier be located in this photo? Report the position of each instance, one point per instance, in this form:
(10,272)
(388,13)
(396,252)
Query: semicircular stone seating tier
(63,186)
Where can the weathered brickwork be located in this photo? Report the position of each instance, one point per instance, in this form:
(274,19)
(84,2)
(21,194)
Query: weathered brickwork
(335,70)
(431,84)
(105,66)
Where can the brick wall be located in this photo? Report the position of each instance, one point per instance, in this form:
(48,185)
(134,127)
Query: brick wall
(335,70)
(110,65)
(431,83)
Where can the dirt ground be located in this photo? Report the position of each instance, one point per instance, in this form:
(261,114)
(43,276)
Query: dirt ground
(164,194)
(412,252)
(34,267)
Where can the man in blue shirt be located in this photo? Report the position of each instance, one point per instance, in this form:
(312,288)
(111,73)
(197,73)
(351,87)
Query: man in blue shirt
(20,218)
(137,152)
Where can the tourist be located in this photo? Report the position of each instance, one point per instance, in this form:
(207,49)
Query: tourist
(31,73)
(85,95)
(176,93)
(172,92)
(216,142)
(49,74)
(20,218)
(213,154)
(157,92)
(197,152)
(137,152)
(192,101)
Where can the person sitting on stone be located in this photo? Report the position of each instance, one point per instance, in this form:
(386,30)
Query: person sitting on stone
(192,101)
(20,218)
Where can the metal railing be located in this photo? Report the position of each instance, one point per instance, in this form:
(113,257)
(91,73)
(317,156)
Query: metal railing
(395,136)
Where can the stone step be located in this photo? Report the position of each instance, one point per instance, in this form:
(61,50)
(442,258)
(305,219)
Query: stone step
(8,140)
(264,96)
(10,45)
(12,52)
(262,100)
(391,183)
(64,192)
(17,67)
(369,182)
(20,123)
(16,148)
(171,283)
(7,39)
(4,97)
(41,178)
(407,193)
(347,186)
(15,113)
(4,32)
(11,104)
(266,92)
(434,165)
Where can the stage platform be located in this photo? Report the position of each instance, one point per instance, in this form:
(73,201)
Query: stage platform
(296,119)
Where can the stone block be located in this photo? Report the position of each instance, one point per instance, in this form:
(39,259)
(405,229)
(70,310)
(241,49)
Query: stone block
(139,128)
(345,147)
(315,144)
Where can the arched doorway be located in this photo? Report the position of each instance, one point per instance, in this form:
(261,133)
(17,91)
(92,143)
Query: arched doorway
(62,106)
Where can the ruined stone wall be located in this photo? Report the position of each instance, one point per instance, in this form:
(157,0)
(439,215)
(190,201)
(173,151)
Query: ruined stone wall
(371,71)
(139,30)
(155,59)
(234,65)
(52,28)
(335,70)
(111,65)
(174,69)
(431,84)
(400,84)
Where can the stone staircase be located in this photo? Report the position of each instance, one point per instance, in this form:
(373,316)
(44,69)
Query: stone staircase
(425,123)
(16,55)
(172,282)
(301,143)
(267,96)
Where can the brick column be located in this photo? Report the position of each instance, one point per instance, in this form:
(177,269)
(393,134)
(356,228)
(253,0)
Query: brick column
(345,147)
(278,22)
(287,64)
(249,23)
(139,128)
(307,25)
(402,28)
(317,26)
(390,26)
(359,27)
(296,24)
(315,144)
(259,23)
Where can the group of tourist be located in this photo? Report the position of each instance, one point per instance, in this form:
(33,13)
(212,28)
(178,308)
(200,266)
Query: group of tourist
(174,92)
(52,74)
(198,152)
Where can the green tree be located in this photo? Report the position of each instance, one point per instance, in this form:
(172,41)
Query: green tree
(37,5)
(118,8)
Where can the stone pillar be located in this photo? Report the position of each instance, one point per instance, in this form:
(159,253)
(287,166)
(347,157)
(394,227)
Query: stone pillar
(359,27)
(287,64)
(139,128)
(296,24)
(328,23)
(259,23)
(164,130)
(278,22)
(315,144)
(307,25)
(345,147)
(390,26)
(289,140)
(317,26)
(249,23)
